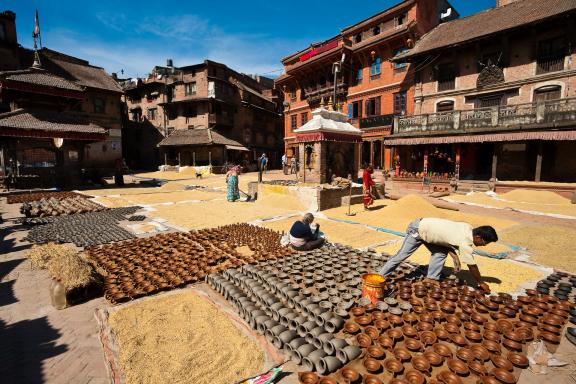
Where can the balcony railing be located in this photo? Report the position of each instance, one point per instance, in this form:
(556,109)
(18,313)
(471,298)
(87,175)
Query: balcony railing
(520,115)
(547,65)
(314,95)
(376,121)
(446,85)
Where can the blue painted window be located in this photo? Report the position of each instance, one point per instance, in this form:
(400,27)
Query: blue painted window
(375,68)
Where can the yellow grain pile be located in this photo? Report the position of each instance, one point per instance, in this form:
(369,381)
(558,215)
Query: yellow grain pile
(285,201)
(342,233)
(63,263)
(552,246)
(501,275)
(533,196)
(112,202)
(166,197)
(553,205)
(396,215)
(215,213)
(181,338)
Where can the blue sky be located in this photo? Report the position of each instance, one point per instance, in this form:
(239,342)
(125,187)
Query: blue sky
(250,36)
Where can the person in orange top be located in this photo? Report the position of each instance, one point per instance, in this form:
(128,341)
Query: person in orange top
(367,184)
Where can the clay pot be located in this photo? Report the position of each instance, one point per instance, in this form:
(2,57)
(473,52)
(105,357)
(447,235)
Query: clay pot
(501,362)
(459,340)
(348,353)
(428,337)
(477,368)
(458,367)
(465,354)
(447,377)
(364,320)
(409,331)
(410,318)
(491,346)
(424,326)
(488,380)
(414,377)
(395,334)
(504,376)
(480,353)
(386,342)
(327,380)
(420,363)
(373,332)
(351,328)
(372,365)
(475,317)
(452,328)
(453,319)
(381,324)
(402,354)
(491,335)
(364,340)
(555,321)
(371,379)
(512,345)
(518,359)
(376,352)
(469,326)
(474,337)
(308,377)
(504,325)
(395,320)
(549,328)
(441,333)
(550,337)
(434,358)
(413,344)
(393,366)
(350,375)
(329,364)
(358,311)
(525,333)
(492,327)
(442,349)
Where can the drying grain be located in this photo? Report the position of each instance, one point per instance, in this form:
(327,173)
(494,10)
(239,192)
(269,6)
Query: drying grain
(548,245)
(533,196)
(182,338)
(63,263)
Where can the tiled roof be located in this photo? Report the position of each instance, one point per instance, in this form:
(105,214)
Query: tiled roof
(199,136)
(47,121)
(40,77)
(516,14)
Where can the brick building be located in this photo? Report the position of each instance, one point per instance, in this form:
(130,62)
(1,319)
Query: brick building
(495,97)
(48,98)
(369,87)
(203,113)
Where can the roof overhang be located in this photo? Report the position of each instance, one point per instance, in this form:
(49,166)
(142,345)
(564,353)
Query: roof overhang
(486,137)
(237,148)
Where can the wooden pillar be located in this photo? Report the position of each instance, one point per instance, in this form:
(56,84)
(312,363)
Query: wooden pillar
(495,161)
(179,162)
(457,166)
(372,152)
(194,158)
(538,172)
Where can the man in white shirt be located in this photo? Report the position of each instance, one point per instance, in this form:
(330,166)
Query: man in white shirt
(443,238)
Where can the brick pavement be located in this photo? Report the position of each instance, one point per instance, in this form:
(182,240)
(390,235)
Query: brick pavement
(39,344)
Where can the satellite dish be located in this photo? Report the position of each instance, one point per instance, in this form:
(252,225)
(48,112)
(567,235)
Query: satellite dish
(58,142)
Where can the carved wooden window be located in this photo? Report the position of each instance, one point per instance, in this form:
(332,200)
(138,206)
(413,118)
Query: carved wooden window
(446,77)
(376,30)
(445,106)
(376,67)
(294,122)
(303,118)
(355,110)
(190,89)
(490,101)
(400,103)
(551,92)
(373,106)
(358,38)
(551,55)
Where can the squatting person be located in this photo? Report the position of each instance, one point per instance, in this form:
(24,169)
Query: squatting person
(443,238)
(301,236)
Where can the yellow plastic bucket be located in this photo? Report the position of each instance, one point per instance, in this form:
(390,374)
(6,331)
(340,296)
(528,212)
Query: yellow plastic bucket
(373,286)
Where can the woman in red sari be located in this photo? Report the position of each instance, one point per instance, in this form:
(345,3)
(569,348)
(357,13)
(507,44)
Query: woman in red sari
(367,184)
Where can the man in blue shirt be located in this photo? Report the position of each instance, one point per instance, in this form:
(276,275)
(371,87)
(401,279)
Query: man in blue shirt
(301,236)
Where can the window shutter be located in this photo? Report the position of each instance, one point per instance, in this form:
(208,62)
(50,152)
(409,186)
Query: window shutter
(377,106)
(368,112)
(350,110)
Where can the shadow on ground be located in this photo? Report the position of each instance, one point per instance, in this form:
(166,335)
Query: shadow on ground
(25,345)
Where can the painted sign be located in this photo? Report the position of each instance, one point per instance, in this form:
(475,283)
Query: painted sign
(316,51)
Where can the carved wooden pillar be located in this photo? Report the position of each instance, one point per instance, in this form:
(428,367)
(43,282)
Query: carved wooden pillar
(495,161)
(538,172)
(372,152)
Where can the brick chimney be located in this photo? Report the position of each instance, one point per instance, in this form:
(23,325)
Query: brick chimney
(500,3)
(8,28)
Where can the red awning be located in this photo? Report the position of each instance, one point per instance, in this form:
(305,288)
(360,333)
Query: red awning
(490,137)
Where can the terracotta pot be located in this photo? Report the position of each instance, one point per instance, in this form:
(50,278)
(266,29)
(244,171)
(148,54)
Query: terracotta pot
(452,328)
(480,353)
(364,340)
(395,320)
(458,367)
(402,354)
(381,324)
(393,366)
(492,346)
(308,377)
(465,354)
(518,359)
(441,333)
(505,325)
(424,326)
(442,349)
(395,334)
(488,380)
(469,326)
(372,365)
(386,342)
(364,320)
(348,353)
(550,337)
(525,333)
(428,337)
(501,362)
(504,376)
(434,358)
(477,368)
(413,344)
(512,345)
(459,340)
(351,328)
(447,377)
(492,335)
(409,331)
(414,377)
(327,380)
(371,379)
(420,363)
(479,319)
(492,327)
